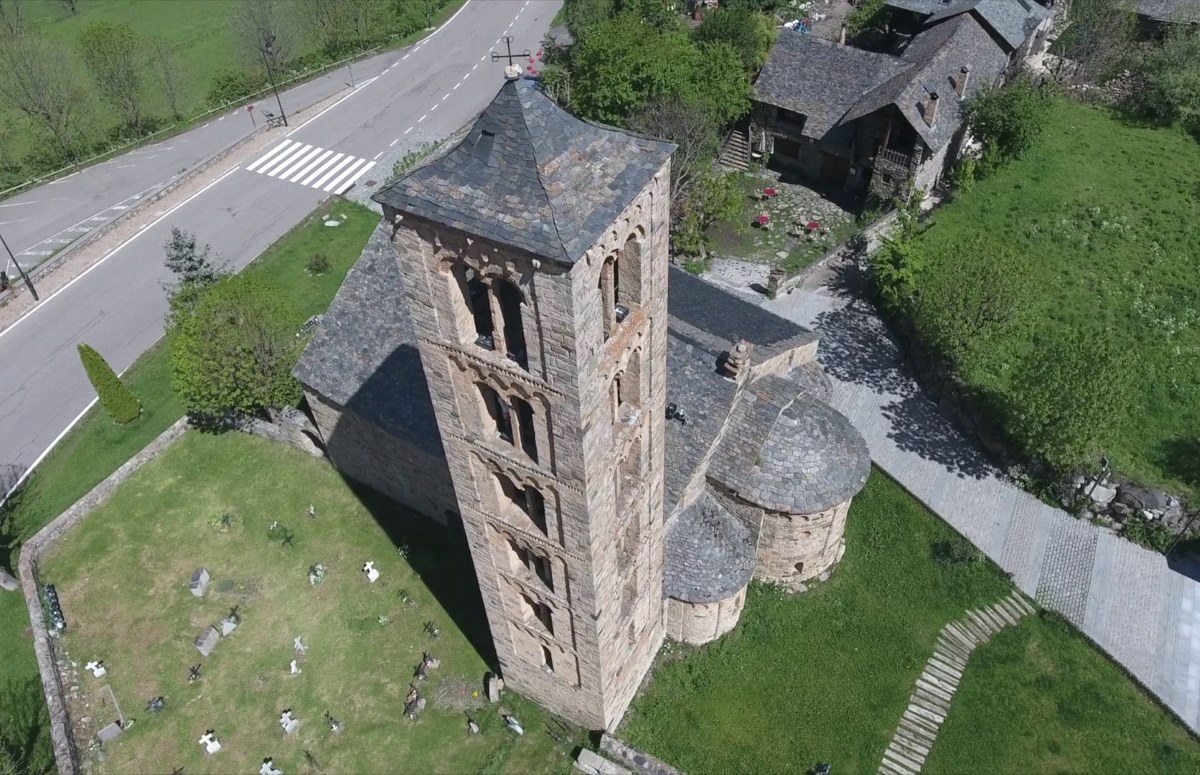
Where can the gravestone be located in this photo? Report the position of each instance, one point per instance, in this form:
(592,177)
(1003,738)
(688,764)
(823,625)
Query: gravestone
(268,767)
(372,574)
(109,733)
(299,646)
(207,640)
(97,668)
(494,685)
(210,742)
(228,625)
(199,582)
(288,722)
(514,724)
(294,668)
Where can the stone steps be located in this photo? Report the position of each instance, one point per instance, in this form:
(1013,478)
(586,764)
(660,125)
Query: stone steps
(933,694)
(735,153)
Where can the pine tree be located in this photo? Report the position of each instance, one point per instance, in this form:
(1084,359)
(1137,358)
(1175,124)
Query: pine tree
(116,399)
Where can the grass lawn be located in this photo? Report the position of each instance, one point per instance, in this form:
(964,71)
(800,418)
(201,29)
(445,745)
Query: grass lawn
(122,577)
(1111,213)
(96,447)
(825,676)
(1039,696)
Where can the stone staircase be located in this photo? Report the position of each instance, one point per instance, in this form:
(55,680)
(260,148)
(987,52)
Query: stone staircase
(930,700)
(735,153)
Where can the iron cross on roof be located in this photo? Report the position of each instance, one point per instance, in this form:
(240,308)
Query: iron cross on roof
(510,56)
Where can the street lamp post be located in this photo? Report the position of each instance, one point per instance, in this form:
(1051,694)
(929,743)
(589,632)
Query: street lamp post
(25,277)
(268,51)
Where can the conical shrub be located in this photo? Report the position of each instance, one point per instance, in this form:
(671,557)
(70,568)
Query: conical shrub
(116,399)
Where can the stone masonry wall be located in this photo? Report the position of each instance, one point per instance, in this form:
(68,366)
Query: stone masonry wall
(700,623)
(66,752)
(797,547)
(604,594)
(383,462)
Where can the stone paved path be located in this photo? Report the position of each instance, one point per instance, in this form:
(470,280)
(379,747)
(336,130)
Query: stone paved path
(930,701)
(1123,597)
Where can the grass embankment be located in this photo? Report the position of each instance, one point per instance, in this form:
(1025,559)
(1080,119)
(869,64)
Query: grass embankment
(825,676)
(122,577)
(1111,214)
(202,37)
(97,447)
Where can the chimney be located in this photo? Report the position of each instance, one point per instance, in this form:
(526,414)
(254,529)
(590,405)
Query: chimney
(842,36)
(737,359)
(929,109)
(960,84)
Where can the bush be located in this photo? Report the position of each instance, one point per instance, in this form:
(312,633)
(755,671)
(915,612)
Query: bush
(116,399)
(1009,119)
(233,351)
(318,263)
(1150,533)
(233,85)
(956,552)
(1170,75)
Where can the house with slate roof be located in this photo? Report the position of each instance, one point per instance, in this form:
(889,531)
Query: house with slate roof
(866,122)
(624,445)
(1157,16)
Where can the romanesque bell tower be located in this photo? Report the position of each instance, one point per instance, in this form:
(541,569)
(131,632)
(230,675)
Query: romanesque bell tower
(534,257)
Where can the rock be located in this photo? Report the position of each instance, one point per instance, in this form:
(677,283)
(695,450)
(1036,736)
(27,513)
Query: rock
(1102,495)
(494,685)
(332,223)
(8,582)
(1119,510)
(1141,498)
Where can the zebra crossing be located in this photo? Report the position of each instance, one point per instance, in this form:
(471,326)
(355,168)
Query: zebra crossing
(308,165)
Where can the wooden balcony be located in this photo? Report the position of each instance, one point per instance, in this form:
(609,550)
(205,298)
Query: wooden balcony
(895,163)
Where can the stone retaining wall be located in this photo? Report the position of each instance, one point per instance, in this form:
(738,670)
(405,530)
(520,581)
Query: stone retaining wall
(66,752)
(778,282)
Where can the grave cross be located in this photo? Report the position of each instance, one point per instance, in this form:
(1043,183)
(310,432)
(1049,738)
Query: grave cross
(510,56)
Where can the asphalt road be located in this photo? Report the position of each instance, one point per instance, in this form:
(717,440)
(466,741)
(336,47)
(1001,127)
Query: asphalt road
(118,306)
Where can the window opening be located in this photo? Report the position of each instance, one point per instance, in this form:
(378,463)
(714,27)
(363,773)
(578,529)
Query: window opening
(525,428)
(498,410)
(481,310)
(514,331)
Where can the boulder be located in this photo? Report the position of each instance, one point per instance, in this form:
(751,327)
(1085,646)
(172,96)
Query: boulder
(8,582)
(1101,494)
(1141,498)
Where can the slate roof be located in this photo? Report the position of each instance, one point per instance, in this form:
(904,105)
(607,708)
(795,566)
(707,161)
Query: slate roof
(708,553)
(787,451)
(938,54)
(365,346)
(531,176)
(1179,11)
(1012,20)
(819,78)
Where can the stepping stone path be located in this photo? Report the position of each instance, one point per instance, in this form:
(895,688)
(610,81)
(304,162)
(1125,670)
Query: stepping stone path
(930,700)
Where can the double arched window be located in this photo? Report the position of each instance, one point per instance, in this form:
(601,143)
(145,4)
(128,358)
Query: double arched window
(512,419)
(492,300)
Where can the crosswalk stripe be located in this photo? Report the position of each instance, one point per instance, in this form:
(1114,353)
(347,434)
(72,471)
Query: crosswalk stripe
(310,166)
(356,176)
(320,169)
(269,154)
(344,174)
(301,160)
(287,158)
(321,181)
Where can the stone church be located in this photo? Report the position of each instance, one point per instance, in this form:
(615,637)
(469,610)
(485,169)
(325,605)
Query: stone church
(624,445)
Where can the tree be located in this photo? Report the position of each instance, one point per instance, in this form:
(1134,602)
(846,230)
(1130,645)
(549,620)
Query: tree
(690,126)
(867,15)
(235,350)
(34,80)
(187,260)
(1170,80)
(1068,398)
(118,402)
(580,14)
(263,32)
(1009,119)
(25,745)
(110,52)
(623,62)
(1098,37)
(12,19)
(750,33)
(165,65)
(709,196)
(958,319)
(329,24)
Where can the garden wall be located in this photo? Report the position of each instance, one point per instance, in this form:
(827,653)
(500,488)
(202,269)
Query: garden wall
(778,282)
(66,751)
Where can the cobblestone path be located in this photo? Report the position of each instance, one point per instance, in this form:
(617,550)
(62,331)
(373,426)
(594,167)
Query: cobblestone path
(1123,597)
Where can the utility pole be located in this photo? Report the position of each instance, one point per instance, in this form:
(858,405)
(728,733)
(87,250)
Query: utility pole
(268,51)
(25,277)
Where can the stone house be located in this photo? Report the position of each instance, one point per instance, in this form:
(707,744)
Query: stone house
(864,122)
(1156,17)
(624,445)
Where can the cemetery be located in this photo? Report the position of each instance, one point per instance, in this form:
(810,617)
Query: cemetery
(211,644)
